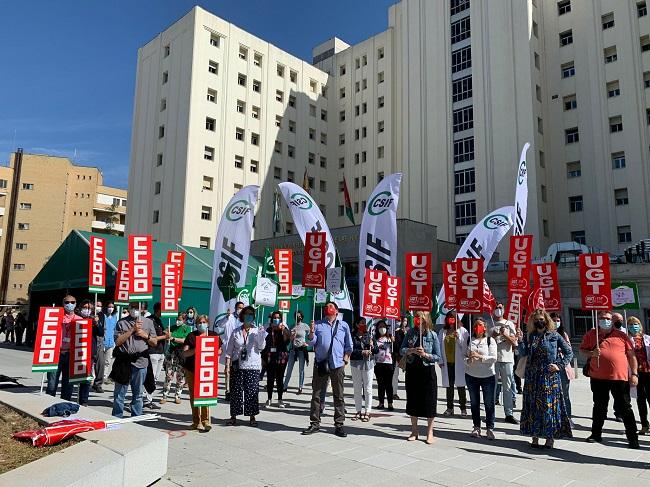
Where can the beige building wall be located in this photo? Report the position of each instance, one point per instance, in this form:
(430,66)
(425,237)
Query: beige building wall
(53,196)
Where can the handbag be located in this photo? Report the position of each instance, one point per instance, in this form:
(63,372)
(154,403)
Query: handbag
(323,366)
(520,370)
(585,368)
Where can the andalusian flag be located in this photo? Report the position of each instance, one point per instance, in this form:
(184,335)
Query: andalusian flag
(348,203)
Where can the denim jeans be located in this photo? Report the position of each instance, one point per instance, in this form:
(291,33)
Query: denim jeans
(474,386)
(137,382)
(290,363)
(504,371)
(67,389)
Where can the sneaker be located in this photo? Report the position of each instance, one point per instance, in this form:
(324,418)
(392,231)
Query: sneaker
(593,439)
(644,430)
(177,400)
(207,426)
(268,403)
(152,405)
(489,435)
(463,413)
(163,400)
(476,432)
(396,397)
(634,445)
(282,404)
(448,412)
(511,419)
(311,430)
(571,423)
(98,389)
(380,406)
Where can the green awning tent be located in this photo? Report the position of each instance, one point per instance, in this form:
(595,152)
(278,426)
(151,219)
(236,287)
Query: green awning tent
(67,272)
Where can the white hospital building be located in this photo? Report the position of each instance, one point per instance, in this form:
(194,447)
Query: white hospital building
(448,94)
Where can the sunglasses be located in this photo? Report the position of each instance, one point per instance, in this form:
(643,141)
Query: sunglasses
(69,302)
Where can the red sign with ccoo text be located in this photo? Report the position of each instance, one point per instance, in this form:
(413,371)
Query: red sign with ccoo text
(206,360)
(122,283)
(178,257)
(140,267)
(81,348)
(96,267)
(595,281)
(419,283)
(283,259)
(48,340)
(169,289)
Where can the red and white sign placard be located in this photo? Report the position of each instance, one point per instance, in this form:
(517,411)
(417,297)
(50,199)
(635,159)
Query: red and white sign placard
(178,257)
(48,340)
(96,266)
(122,283)
(284,305)
(283,259)
(545,278)
(373,293)
(595,282)
(419,283)
(206,360)
(450,284)
(313,274)
(521,253)
(469,275)
(169,290)
(81,347)
(393,296)
(140,268)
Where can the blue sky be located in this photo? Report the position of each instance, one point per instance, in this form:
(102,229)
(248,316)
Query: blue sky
(68,67)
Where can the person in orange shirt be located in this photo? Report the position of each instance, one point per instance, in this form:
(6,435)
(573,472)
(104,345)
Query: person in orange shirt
(612,364)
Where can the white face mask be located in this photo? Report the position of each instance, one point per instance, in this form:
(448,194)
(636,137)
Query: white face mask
(382,331)
(85,312)
(98,309)
(135,313)
(110,310)
(498,313)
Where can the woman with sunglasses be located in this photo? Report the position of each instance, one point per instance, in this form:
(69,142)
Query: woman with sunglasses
(244,359)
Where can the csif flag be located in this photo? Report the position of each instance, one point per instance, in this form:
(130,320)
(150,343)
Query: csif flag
(307,217)
(521,193)
(378,234)
(231,251)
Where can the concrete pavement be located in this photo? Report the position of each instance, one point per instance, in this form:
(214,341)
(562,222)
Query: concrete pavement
(375,453)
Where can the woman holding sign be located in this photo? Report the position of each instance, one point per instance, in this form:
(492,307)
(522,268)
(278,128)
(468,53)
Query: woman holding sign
(243,358)
(200,415)
(362,362)
(422,351)
(544,413)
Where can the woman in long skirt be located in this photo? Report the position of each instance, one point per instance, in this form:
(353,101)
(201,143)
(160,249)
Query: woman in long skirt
(422,351)
(544,414)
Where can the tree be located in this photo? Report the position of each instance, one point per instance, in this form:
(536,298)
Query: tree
(112,219)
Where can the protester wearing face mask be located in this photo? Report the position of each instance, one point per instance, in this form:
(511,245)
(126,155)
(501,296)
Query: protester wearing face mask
(110,320)
(505,335)
(544,413)
(190,317)
(384,364)
(452,363)
(173,363)
(611,356)
(618,322)
(201,414)
(157,353)
(480,352)
(99,332)
(63,369)
(244,359)
(275,357)
(400,333)
(641,343)
(133,337)
(332,343)
(566,374)
(422,351)
(224,328)
(362,365)
(298,352)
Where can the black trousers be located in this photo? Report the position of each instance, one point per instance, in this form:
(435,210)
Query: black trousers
(275,375)
(643,397)
(620,391)
(384,375)
(462,394)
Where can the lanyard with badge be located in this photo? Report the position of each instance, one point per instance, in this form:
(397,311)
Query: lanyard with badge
(244,351)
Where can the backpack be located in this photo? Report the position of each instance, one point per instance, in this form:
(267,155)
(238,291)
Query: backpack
(489,340)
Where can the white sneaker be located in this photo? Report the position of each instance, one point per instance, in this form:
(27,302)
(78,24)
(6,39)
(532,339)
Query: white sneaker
(573,425)
(476,432)
(490,434)
(282,404)
(268,403)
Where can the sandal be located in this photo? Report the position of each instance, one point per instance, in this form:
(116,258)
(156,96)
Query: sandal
(365,418)
(357,417)
(413,437)
(231,422)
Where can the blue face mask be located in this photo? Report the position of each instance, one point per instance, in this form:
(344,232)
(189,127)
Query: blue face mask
(248,319)
(634,329)
(605,324)
(276,322)
(69,307)
(202,327)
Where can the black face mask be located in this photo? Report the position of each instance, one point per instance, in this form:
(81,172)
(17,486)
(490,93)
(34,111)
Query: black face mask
(618,324)
(540,324)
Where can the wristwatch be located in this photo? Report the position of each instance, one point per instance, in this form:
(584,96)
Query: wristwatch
(635,374)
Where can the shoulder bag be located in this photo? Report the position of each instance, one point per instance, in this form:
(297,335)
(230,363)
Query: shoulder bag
(323,366)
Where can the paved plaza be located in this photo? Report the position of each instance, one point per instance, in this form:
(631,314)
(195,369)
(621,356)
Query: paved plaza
(376,453)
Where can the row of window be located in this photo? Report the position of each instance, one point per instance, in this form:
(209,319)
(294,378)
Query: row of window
(564,7)
(25,186)
(620,199)
(361,61)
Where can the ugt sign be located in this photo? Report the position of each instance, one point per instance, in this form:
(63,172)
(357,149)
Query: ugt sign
(419,283)
(450,284)
(393,298)
(470,285)
(314,260)
(545,278)
(373,293)
(595,283)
